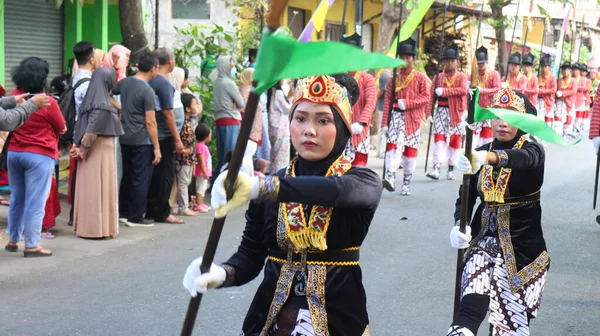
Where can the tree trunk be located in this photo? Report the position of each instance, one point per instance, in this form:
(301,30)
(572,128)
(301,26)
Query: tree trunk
(132,28)
(389,22)
(499,28)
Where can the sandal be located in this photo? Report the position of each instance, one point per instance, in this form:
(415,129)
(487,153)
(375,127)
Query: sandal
(47,235)
(11,247)
(188,212)
(4,201)
(174,220)
(37,252)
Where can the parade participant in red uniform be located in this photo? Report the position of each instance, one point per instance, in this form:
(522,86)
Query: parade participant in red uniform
(546,93)
(515,79)
(412,96)
(506,262)
(452,93)
(362,112)
(565,102)
(488,82)
(582,98)
(531,89)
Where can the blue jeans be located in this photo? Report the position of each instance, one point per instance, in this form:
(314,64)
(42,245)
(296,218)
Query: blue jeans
(226,139)
(30,178)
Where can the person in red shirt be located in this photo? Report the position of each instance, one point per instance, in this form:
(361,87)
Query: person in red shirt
(546,92)
(32,152)
(565,102)
(452,92)
(488,82)
(595,123)
(531,89)
(515,79)
(411,98)
(362,112)
(582,98)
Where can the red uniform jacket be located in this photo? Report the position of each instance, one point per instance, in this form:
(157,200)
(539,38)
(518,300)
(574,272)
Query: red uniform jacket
(455,89)
(595,123)
(416,95)
(569,91)
(516,82)
(363,110)
(582,91)
(547,90)
(531,88)
(488,88)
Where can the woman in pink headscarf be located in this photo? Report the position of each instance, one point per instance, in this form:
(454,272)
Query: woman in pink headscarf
(118,58)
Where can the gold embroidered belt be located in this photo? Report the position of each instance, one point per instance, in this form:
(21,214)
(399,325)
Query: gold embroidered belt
(533,197)
(345,257)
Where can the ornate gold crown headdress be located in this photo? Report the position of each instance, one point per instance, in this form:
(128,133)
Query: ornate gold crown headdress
(324,90)
(506,98)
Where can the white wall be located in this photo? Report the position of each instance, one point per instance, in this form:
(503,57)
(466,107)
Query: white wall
(219,14)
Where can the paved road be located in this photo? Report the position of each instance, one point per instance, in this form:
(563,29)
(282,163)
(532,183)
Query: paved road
(131,285)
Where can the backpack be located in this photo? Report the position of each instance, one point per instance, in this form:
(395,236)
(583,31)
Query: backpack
(66,102)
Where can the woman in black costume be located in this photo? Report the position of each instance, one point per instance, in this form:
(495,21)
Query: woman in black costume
(308,222)
(506,263)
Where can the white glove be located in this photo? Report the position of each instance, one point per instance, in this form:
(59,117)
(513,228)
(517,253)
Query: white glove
(596,142)
(401,104)
(464,124)
(468,84)
(458,239)
(471,92)
(195,282)
(384,131)
(439,91)
(559,94)
(357,128)
(246,189)
(478,159)
(430,119)
(504,85)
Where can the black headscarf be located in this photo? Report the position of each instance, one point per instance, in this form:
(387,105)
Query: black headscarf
(342,136)
(529,108)
(97,115)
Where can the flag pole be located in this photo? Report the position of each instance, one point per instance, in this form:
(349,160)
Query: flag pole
(466,182)
(274,22)
(512,40)
(435,83)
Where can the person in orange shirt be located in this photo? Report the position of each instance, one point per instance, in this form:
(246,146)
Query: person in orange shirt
(452,91)
(582,113)
(565,100)
(547,92)
(531,83)
(412,94)
(488,82)
(515,79)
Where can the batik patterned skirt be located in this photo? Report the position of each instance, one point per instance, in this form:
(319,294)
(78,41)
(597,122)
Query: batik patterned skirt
(363,147)
(484,273)
(442,123)
(397,132)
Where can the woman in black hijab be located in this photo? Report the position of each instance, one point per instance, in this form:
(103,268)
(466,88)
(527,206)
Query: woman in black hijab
(506,262)
(97,128)
(308,220)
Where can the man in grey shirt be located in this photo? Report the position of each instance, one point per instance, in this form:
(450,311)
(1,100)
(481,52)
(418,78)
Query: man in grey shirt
(384,79)
(19,110)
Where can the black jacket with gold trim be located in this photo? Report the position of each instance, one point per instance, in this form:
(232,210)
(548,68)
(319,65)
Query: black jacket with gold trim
(518,219)
(355,197)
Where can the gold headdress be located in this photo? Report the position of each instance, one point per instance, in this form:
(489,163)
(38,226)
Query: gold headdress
(507,99)
(324,90)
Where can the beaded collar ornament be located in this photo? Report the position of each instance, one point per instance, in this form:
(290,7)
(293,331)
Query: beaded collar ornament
(506,98)
(324,90)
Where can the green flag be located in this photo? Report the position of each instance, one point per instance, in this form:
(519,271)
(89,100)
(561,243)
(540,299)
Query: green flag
(524,121)
(412,21)
(282,57)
